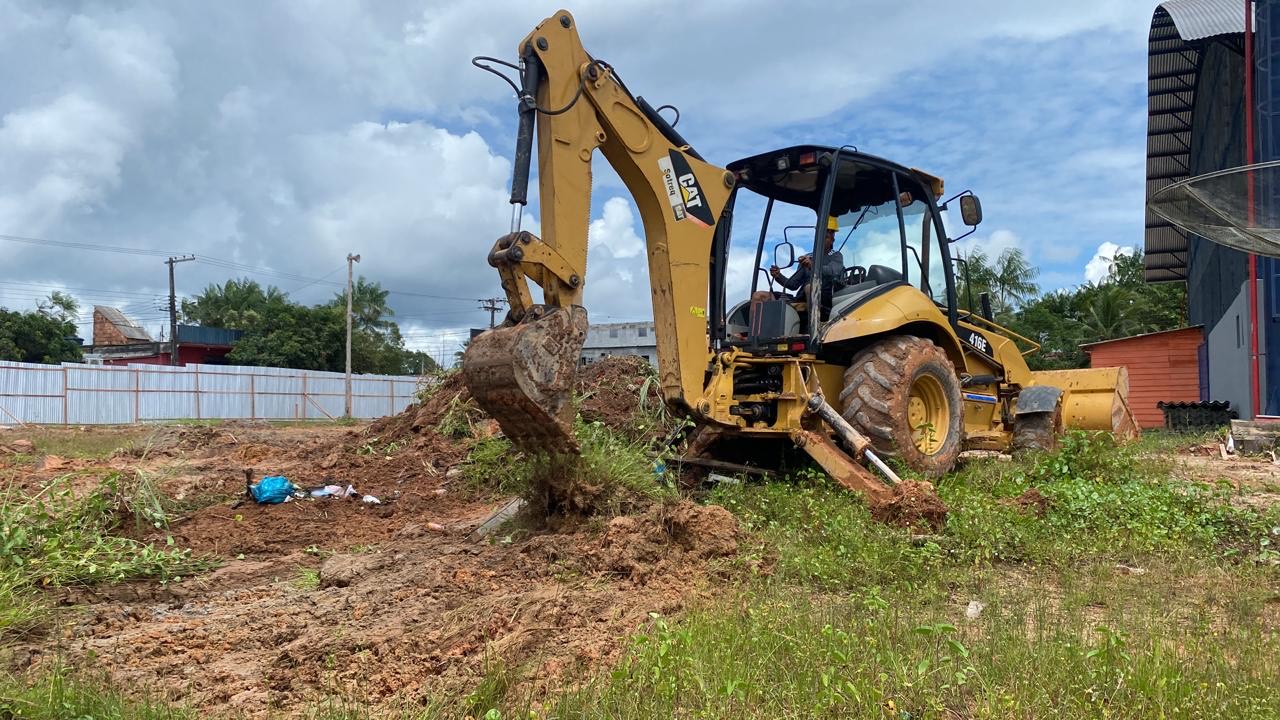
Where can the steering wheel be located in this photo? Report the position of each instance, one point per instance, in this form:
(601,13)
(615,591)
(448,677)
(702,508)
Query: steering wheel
(854,275)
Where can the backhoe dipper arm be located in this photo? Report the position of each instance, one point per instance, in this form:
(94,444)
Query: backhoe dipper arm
(578,104)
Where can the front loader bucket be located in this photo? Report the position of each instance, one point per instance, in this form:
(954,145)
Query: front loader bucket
(1094,399)
(522,375)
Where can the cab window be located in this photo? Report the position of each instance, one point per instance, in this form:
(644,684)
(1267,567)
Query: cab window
(923,267)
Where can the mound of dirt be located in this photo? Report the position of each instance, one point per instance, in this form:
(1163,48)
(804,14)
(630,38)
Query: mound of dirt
(663,541)
(1031,501)
(610,390)
(913,504)
(450,392)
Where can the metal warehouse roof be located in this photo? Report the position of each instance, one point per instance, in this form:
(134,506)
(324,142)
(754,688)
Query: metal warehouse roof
(1173,66)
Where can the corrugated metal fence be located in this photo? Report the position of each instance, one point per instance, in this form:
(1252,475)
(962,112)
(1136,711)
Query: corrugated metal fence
(77,394)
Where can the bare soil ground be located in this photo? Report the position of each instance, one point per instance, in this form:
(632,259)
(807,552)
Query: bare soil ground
(1256,479)
(388,603)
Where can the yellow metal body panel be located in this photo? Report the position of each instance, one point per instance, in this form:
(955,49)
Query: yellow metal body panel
(601,114)
(1093,398)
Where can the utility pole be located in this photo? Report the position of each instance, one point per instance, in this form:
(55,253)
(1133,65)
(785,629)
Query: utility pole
(350,260)
(173,308)
(493,305)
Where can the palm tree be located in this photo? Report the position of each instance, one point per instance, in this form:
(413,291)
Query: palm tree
(1014,279)
(1108,316)
(369,309)
(236,304)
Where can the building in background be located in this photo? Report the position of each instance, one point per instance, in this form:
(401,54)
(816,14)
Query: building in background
(113,328)
(117,340)
(609,339)
(1196,125)
(1162,366)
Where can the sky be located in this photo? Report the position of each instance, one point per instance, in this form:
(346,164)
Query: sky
(272,139)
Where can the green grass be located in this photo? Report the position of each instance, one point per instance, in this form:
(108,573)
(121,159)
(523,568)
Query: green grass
(58,538)
(62,695)
(95,445)
(776,653)
(307,579)
(1146,597)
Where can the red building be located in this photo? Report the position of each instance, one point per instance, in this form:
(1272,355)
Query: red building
(1163,367)
(117,340)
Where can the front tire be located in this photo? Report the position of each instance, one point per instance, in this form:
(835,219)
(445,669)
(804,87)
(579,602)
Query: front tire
(904,395)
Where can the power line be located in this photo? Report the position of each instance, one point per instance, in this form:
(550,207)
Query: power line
(221,263)
(86,246)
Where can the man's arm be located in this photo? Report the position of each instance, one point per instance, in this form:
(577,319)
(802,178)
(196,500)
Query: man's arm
(796,281)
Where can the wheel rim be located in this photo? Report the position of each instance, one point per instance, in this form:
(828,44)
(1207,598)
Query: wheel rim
(928,414)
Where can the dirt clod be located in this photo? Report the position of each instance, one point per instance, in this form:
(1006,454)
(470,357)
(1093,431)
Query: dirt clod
(20,446)
(912,504)
(1031,501)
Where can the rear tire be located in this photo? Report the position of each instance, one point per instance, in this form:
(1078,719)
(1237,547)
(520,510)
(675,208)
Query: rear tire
(904,395)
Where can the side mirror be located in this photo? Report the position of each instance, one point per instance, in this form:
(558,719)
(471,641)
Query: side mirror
(778,255)
(970,210)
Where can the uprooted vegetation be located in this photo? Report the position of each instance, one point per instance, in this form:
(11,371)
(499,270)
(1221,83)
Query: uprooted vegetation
(1149,588)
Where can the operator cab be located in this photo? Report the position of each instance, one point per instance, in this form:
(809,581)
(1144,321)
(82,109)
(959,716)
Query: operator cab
(887,231)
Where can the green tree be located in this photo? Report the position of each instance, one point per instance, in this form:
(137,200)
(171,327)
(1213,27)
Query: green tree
(294,336)
(45,335)
(369,308)
(236,305)
(282,333)
(1013,279)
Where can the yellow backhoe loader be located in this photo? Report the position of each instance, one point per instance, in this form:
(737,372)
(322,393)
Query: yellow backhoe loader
(880,333)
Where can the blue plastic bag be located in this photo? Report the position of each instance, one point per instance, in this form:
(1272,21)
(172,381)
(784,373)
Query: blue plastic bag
(272,489)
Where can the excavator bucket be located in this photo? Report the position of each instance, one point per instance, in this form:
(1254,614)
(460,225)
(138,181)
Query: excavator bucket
(1094,399)
(522,375)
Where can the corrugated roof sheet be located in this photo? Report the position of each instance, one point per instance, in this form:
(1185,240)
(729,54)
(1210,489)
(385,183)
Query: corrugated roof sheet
(127,327)
(1198,19)
(1173,66)
(1142,335)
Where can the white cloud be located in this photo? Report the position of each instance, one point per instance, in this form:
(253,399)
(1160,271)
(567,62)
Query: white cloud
(1099,266)
(293,134)
(992,244)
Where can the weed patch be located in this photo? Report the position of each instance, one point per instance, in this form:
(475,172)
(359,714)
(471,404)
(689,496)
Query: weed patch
(59,694)
(59,538)
(1099,498)
(782,655)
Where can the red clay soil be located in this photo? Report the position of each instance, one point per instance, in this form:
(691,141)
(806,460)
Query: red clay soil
(610,391)
(1031,501)
(912,505)
(405,608)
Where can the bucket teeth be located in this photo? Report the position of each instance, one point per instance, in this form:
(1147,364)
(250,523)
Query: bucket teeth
(522,375)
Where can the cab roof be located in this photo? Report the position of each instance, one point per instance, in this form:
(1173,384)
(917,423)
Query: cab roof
(791,175)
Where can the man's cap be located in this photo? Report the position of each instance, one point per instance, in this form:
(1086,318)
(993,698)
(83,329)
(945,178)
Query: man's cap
(833,224)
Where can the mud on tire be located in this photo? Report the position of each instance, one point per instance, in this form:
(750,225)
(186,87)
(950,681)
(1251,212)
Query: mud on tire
(1037,431)
(877,400)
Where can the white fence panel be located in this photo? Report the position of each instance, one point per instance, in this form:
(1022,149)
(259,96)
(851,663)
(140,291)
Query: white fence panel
(93,394)
(100,395)
(165,393)
(31,393)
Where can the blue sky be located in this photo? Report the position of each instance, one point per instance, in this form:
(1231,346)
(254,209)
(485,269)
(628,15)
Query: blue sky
(283,138)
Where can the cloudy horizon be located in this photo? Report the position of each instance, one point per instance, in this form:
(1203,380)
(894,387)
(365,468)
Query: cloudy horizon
(271,143)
